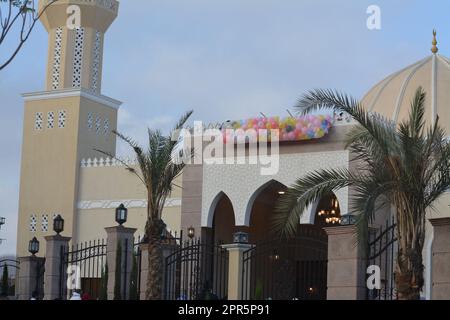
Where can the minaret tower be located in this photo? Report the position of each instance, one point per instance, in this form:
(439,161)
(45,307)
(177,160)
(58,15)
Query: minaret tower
(67,121)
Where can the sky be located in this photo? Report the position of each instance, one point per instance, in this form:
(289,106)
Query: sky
(225,59)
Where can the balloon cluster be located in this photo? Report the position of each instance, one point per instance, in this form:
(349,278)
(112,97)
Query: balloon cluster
(290,129)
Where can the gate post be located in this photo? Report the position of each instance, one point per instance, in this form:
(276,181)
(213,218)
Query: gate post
(52,279)
(27,276)
(124,236)
(440,259)
(167,249)
(235,268)
(346,278)
(143,270)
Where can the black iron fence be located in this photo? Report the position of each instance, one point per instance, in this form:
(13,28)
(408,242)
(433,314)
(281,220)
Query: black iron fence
(12,267)
(196,270)
(84,266)
(135,281)
(383,249)
(286,269)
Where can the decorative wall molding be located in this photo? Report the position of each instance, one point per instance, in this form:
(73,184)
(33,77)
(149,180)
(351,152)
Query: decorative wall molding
(240,182)
(130,203)
(62,117)
(78,57)
(95,81)
(33,223)
(56,68)
(107,162)
(72,92)
(50,120)
(38,121)
(112,5)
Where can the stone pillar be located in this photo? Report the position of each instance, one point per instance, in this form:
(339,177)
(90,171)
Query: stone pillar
(144,270)
(346,279)
(52,279)
(167,249)
(27,276)
(235,269)
(440,259)
(124,236)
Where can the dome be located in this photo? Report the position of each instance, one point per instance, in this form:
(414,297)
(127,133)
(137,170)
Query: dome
(392,96)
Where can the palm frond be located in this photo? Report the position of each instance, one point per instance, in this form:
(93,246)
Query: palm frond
(307,191)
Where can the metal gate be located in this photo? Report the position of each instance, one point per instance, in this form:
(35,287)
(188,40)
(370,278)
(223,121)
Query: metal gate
(40,272)
(83,266)
(383,248)
(287,269)
(196,271)
(13,266)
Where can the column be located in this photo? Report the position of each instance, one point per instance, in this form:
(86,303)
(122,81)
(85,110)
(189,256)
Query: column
(235,269)
(440,259)
(27,276)
(346,279)
(124,236)
(52,279)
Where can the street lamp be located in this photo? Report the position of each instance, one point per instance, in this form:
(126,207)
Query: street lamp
(348,219)
(191,232)
(240,237)
(58,224)
(33,246)
(121,214)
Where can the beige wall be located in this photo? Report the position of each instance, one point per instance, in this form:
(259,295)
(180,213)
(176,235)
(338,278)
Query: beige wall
(103,188)
(51,161)
(49,168)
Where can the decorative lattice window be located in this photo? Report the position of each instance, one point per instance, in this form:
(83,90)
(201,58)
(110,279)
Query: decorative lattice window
(106,127)
(62,119)
(90,121)
(57,58)
(44,223)
(78,57)
(98,124)
(33,223)
(96,61)
(50,120)
(39,121)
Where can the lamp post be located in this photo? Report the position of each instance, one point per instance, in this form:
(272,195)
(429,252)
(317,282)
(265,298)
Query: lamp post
(58,224)
(240,237)
(348,219)
(33,246)
(121,214)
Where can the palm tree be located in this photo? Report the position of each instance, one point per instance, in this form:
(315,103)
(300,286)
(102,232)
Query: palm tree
(404,166)
(157,172)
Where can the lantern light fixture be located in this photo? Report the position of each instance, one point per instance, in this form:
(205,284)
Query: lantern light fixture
(121,214)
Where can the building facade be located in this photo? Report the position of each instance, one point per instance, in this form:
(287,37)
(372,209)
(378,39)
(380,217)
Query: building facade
(62,173)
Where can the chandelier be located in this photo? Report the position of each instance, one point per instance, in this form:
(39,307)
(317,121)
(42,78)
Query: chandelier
(331,215)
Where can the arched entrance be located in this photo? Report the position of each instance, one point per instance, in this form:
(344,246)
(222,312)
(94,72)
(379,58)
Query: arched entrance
(223,221)
(285,269)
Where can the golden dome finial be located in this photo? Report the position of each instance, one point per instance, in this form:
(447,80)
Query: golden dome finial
(434,48)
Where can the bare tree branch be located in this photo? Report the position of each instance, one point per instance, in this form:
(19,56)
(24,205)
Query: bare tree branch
(18,13)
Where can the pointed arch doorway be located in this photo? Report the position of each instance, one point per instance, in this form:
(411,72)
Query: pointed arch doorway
(285,269)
